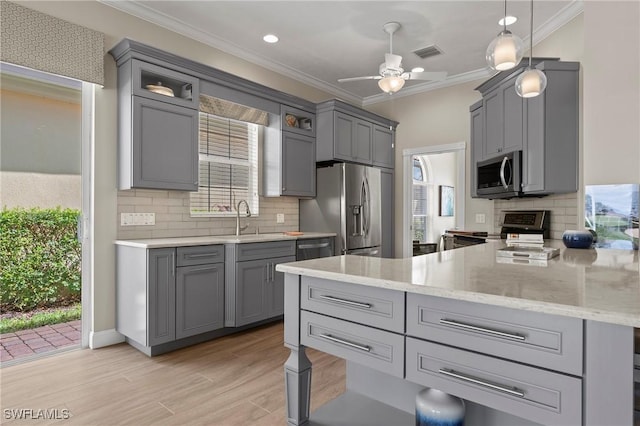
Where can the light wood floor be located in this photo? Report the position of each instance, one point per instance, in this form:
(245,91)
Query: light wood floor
(234,380)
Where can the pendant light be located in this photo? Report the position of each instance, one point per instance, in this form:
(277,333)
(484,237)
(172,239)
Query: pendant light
(505,51)
(532,81)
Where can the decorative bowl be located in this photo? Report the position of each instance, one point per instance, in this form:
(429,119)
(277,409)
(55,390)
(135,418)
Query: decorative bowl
(577,239)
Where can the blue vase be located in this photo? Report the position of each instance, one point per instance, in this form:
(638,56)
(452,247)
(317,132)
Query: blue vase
(436,408)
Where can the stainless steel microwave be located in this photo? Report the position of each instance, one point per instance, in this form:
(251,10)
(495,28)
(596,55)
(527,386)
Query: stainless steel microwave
(500,177)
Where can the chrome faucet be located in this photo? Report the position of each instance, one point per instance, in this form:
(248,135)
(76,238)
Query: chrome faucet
(238,228)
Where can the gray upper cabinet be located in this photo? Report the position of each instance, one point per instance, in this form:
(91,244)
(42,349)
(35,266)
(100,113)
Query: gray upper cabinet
(290,155)
(158,127)
(477,138)
(544,128)
(347,133)
(503,120)
(163,147)
(383,147)
(550,160)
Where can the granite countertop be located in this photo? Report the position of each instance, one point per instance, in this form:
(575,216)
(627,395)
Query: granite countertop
(595,284)
(219,239)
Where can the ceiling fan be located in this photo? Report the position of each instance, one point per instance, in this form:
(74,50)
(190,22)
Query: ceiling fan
(392,76)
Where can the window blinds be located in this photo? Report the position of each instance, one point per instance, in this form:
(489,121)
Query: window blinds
(36,40)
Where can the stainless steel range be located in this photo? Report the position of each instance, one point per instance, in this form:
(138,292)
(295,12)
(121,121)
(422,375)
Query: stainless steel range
(513,221)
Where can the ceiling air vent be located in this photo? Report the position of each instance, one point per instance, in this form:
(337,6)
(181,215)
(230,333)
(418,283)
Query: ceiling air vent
(427,52)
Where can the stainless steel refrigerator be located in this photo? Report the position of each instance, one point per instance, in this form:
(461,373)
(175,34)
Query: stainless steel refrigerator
(348,203)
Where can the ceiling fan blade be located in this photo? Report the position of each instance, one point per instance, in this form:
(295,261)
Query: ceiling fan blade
(392,61)
(425,75)
(368,77)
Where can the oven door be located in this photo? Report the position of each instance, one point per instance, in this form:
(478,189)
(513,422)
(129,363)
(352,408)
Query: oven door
(500,177)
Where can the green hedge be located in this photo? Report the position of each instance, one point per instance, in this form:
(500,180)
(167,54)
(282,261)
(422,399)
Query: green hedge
(39,258)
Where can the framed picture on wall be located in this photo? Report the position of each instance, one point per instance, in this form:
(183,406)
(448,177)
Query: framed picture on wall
(446,200)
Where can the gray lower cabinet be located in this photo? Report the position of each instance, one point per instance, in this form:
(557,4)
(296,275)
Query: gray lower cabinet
(254,289)
(167,294)
(161,287)
(199,299)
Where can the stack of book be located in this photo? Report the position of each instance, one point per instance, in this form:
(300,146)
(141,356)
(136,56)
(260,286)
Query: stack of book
(525,240)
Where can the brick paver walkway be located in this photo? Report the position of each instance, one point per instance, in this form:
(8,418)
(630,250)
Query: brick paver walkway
(38,340)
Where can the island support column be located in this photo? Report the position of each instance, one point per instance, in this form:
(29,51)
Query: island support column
(297,369)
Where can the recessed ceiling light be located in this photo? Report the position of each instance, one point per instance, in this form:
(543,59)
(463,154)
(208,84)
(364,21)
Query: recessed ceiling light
(270,38)
(417,69)
(510,20)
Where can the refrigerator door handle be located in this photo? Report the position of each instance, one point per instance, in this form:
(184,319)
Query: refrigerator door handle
(367,210)
(365,207)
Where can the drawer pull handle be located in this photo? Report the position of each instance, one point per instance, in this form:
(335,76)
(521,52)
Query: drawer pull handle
(313,246)
(482,329)
(198,256)
(477,381)
(346,302)
(346,343)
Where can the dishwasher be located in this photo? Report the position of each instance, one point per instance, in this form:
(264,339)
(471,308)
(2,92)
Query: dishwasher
(312,248)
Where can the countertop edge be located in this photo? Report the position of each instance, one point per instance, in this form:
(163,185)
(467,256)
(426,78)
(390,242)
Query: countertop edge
(470,296)
(169,242)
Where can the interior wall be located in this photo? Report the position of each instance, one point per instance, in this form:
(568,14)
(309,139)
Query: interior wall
(438,117)
(117,25)
(611,92)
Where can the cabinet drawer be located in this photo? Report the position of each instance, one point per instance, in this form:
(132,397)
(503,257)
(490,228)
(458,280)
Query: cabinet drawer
(544,340)
(373,348)
(535,394)
(199,255)
(372,306)
(254,251)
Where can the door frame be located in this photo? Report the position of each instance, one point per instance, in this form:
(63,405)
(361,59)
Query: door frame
(87,213)
(407,182)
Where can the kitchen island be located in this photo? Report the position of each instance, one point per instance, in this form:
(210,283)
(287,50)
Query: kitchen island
(551,343)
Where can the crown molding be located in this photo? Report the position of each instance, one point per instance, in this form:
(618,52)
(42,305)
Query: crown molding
(138,9)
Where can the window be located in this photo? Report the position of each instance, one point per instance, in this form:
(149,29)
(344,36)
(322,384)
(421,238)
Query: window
(419,208)
(228,170)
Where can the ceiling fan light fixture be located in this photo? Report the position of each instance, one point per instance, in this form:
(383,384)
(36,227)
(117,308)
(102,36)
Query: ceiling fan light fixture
(391,84)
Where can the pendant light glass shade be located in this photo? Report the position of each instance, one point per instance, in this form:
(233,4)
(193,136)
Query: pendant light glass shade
(531,83)
(505,51)
(391,84)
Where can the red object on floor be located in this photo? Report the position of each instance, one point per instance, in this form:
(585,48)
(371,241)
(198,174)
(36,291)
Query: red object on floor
(39,340)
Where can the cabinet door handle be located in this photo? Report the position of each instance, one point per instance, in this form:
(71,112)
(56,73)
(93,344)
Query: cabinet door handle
(346,302)
(346,343)
(173,264)
(271,274)
(490,331)
(266,268)
(478,381)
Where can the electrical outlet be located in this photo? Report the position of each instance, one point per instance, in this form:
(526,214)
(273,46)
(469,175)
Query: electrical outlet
(280,218)
(137,219)
(480,218)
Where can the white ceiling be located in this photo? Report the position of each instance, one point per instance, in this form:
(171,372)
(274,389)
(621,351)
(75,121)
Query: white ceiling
(322,41)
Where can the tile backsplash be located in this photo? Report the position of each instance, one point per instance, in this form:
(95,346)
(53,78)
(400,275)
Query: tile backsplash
(563,207)
(173,219)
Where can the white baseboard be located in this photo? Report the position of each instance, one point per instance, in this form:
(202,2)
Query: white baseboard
(100,339)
